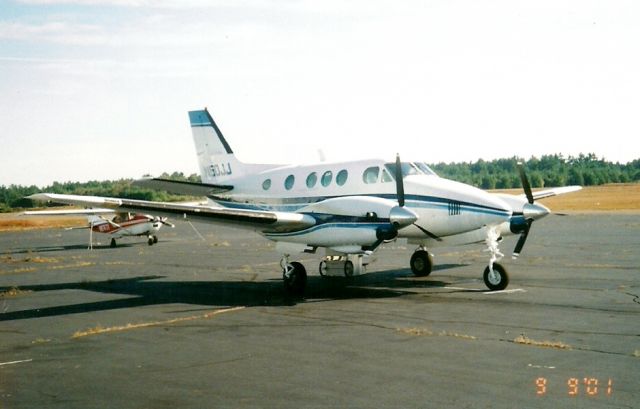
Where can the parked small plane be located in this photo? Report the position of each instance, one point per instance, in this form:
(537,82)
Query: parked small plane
(347,209)
(122,224)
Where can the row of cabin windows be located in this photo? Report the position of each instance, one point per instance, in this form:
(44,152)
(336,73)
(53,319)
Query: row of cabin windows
(372,174)
(312,180)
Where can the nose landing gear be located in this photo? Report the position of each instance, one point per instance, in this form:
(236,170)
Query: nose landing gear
(495,275)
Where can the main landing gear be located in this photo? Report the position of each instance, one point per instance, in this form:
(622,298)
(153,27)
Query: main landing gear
(151,240)
(294,276)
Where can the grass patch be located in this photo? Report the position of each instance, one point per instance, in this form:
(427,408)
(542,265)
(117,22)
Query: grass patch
(607,198)
(120,328)
(13,292)
(18,222)
(523,340)
(421,332)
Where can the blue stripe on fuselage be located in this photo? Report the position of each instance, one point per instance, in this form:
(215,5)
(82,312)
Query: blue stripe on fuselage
(412,201)
(353,225)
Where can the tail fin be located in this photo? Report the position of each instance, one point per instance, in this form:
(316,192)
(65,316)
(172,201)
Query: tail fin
(216,160)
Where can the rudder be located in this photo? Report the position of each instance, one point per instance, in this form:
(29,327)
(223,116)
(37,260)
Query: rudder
(216,159)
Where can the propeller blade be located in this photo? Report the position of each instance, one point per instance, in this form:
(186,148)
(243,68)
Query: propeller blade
(399,182)
(164,221)
(427,232)
(525,183)
(523,239)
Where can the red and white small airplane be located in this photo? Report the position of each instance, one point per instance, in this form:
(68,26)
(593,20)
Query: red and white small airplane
(118,226)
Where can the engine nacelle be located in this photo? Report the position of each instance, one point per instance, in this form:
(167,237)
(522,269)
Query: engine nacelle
(518,224)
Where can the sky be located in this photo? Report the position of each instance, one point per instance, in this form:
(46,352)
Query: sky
(100,89)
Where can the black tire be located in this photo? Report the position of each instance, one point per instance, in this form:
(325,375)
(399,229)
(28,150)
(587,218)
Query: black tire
(113,243)
(322,268)
(499,280)
(155,239)
(421,263)
(348,269)
(150,241)
(296,282)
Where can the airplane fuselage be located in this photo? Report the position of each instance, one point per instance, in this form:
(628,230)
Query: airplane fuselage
(444,207)
(138,225)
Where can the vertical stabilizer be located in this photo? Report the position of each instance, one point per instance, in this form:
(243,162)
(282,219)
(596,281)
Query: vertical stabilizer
(216,159)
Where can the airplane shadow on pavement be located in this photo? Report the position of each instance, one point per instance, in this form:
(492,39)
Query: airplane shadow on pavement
(152,290)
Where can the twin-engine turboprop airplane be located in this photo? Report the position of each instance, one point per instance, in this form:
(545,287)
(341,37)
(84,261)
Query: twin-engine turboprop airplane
(116,226)
(348,209)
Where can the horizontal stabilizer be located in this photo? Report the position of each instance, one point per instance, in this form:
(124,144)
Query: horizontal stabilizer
(182,187)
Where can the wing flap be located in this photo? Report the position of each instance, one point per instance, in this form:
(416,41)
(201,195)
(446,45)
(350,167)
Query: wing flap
(182,187)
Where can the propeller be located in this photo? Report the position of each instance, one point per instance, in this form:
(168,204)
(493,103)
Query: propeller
(400,216)
(530,212)
(400,195)
(164,221)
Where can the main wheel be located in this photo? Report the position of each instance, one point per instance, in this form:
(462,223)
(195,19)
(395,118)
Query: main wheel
(348,268)
(155,239)
(496,280)
(421,263)
(150,241)
(322,268)
(295,280)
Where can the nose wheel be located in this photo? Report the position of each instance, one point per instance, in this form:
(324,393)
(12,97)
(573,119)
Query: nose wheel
(496,277)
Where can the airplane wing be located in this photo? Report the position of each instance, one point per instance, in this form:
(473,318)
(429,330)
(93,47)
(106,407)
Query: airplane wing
(253,219)
(181,187)
(555,192)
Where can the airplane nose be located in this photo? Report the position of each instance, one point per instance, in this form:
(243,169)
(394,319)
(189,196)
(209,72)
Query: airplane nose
(534,211)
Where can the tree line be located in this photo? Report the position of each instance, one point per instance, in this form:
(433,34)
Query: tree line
(13,197)
(547,171)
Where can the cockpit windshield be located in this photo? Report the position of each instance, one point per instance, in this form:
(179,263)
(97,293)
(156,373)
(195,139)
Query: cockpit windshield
(425,168)
(410,168)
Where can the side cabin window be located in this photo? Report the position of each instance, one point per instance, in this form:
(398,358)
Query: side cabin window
(289,181)
(341,177)
(327,177)
(370,175)
(266,185)
(312,179)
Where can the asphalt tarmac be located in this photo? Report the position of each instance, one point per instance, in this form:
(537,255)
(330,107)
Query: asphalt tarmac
(192,323)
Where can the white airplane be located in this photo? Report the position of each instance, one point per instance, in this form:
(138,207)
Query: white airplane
(122,224)
(347,209)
